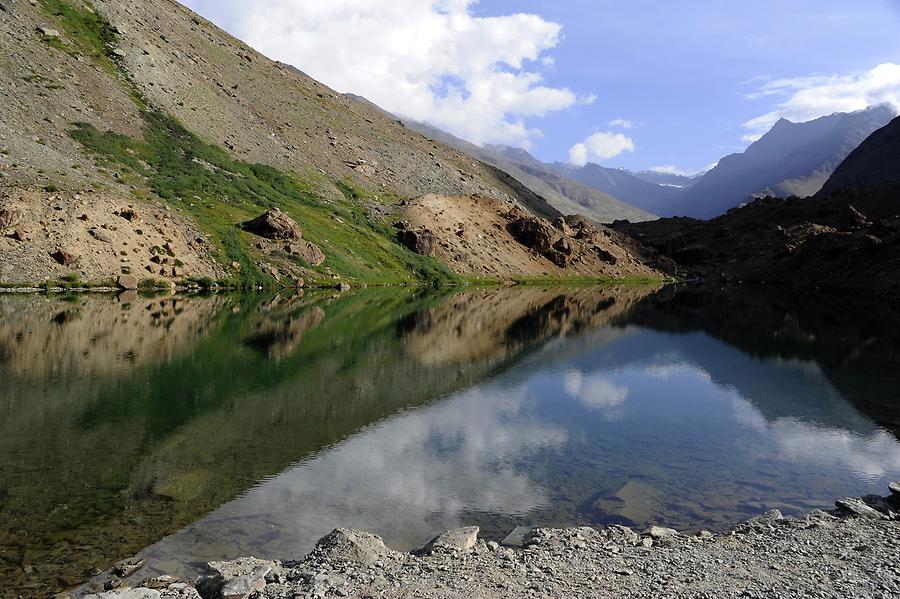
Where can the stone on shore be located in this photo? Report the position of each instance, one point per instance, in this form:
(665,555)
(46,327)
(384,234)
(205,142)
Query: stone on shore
(126,594)
(458,539)
(858,507)
(235,579)
(659,532)
(895,489)
(517,537)
(127,282)
(347,545)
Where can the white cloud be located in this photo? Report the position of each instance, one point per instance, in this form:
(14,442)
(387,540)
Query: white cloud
(620,124)
(807,98)
(599,147)
(429,60)
(594,391)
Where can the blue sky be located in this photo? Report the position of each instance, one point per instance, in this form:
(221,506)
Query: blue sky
(689,76)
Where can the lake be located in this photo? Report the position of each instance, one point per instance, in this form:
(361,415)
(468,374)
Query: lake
(187,428)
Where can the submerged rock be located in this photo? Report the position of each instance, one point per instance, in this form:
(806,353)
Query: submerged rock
(458,539)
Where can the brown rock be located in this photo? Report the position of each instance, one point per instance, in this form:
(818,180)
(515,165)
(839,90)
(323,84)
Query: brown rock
(557,258)
(310,252)
(9,218)
(274,224)
(20,235)
(563,246)
(128,214)
(65,257)
(605,256)
(127,282)
(420,241)
(532,233)
(101,235)
(561,224)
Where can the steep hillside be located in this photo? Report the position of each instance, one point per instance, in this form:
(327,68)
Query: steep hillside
(625,185)
(145,109)
(562,192)
(875,162)
(791,159)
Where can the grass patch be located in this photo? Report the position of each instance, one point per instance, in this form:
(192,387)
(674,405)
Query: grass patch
(92,35)
(219,192)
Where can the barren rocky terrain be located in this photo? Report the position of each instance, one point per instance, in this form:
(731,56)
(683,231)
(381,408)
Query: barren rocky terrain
(480,236)
(148,105)
(848,552)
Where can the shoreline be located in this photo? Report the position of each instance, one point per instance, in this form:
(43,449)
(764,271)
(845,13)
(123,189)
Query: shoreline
(849,551)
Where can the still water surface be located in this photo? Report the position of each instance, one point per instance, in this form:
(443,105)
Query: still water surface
(192,429)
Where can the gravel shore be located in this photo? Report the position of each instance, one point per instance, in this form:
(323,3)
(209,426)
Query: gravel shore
(852,551)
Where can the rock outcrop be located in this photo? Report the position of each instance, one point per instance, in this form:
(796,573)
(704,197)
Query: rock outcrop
(273,224)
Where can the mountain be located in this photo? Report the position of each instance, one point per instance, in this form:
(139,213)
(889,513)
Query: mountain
(670,179)
(140,143)
(791,159)
(875,162)
(562,192)
(625,185)
(846,238)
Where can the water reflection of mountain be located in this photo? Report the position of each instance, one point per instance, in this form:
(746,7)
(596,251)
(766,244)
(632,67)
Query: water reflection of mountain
(853,343)
(152,412)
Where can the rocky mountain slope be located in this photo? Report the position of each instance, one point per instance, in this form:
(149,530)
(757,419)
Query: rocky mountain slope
(145,106)
(562,191)
(875,162)
(791,159)
(842,239)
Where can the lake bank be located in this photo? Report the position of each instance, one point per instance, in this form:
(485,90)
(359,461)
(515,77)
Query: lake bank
(849,551)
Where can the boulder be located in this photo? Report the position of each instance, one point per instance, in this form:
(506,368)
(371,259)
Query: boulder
(895,489)
(659,532)
(458,539)
(533,233)
(347,545)
(127,282)
(556,257)
(308,251)
(49,32)
(65,256)
(605,256)
(857,507)
(420,241)
(236,579)
(561,224)
(517,537)
(273,224)
(128,214)
(563,246)
(9,218)
(101,235)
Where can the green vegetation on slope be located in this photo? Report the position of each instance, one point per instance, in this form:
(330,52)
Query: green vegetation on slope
(219,192)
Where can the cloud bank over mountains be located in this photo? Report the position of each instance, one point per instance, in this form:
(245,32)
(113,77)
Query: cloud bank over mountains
(811,97)
(478,77)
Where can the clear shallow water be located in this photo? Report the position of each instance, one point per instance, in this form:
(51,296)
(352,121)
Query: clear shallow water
(211,428)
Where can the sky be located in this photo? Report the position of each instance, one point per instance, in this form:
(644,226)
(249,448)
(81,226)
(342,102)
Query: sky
(639,84)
